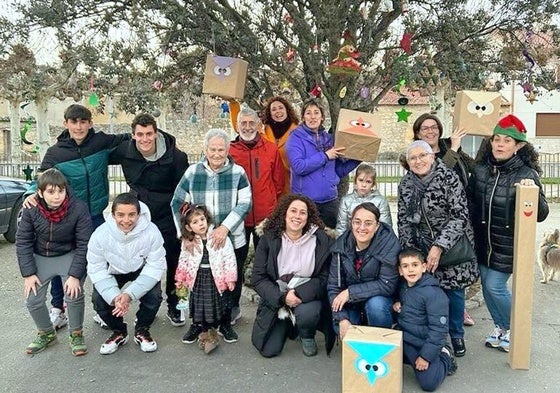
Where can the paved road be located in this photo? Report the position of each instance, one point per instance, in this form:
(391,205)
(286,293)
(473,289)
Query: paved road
(177,367)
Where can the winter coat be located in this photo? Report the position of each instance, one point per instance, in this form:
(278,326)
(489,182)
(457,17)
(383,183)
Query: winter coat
(378,275)
(85,166)
(313,174)
(268,134)
(226,194)
(222,263)
(111,251)
(349,202)
(37,235)
(444,204)
(154,182)
(264,168)
(424,316)
(265,274)
(492,195)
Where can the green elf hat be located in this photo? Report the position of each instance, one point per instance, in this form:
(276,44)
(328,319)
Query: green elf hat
(510,125)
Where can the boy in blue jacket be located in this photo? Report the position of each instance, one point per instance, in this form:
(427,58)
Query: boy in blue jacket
(423,311)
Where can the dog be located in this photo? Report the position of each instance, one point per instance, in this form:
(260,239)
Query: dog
(549,255)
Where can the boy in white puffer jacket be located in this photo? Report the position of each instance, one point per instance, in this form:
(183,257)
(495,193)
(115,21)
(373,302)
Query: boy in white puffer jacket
(128,247)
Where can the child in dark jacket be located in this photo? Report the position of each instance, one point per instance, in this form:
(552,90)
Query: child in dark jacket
(423,312)
(51,241)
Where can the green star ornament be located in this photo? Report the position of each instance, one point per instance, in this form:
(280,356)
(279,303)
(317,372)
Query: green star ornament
(402,115)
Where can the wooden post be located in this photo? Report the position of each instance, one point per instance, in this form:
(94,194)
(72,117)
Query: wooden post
(526,209)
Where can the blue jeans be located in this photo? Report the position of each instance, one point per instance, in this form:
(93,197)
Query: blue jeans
(378,311)
(496,295)
(456,309)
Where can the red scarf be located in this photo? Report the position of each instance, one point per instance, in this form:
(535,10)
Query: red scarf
(53,215)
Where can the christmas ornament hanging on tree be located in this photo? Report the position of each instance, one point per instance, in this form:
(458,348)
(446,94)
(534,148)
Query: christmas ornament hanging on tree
(345,63)
(316,91)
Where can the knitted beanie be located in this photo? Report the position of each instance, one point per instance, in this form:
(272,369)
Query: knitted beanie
(511,126)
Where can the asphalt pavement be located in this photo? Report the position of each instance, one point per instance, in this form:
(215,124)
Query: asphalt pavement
(176,367)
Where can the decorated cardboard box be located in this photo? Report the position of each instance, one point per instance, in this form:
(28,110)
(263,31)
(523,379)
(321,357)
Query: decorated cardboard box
(372,360)
(477,111)
(225,77)
(358,132)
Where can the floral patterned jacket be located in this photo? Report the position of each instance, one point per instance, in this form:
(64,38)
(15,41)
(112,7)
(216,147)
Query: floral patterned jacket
(222,263)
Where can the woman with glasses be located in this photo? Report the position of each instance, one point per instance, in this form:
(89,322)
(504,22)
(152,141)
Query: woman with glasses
(428,128)
(317,166)
(433,217)
(364,275)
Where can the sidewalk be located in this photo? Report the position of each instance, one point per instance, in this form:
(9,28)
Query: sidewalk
(176,367)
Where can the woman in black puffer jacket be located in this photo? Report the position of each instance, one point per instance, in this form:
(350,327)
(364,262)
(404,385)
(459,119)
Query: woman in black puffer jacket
(505,160)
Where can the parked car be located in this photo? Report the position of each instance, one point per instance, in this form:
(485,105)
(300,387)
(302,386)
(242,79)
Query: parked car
(11,201)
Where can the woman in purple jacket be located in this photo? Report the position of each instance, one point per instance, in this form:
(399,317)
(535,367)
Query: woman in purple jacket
(317,166)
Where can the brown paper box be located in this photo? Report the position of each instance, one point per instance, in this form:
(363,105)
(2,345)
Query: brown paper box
(225,77)
(477,111)
(358,132)
(372,360)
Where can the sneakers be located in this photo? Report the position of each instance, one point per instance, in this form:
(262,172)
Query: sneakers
(97,319)
(77,343)
(143,338)
(192,334)
(458,347)
(174,317)
(58,318)
(41,342)
(208,341)
(504,344)
(227,332)
(467,319)
(235,315)
(309,346)
(116,340)
(495,338)
(453,366)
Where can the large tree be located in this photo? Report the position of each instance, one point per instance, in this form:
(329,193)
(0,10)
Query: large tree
(454,43)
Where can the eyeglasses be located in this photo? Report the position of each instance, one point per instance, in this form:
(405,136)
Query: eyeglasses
(427,128)
(419,157)
(365,224)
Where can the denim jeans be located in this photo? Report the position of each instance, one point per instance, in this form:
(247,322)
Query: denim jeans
(377,309)
(496,295)
(456,309)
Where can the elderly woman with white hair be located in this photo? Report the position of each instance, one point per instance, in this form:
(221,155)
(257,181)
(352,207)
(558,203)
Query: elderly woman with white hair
(222,186)
(433,218)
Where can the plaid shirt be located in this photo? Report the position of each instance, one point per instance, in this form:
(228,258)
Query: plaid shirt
(226,193)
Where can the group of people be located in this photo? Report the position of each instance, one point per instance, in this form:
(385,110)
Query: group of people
(321,263)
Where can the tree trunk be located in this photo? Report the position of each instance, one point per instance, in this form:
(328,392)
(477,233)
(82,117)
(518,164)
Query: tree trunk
(14,152)
(162,119)
(43,132)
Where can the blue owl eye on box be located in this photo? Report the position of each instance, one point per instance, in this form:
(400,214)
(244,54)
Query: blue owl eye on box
(477,111)
(372,360)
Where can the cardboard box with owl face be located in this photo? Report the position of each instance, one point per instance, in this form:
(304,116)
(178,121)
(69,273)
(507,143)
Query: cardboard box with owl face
(372,360)
(477,111)
(225,77)
(358,132)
